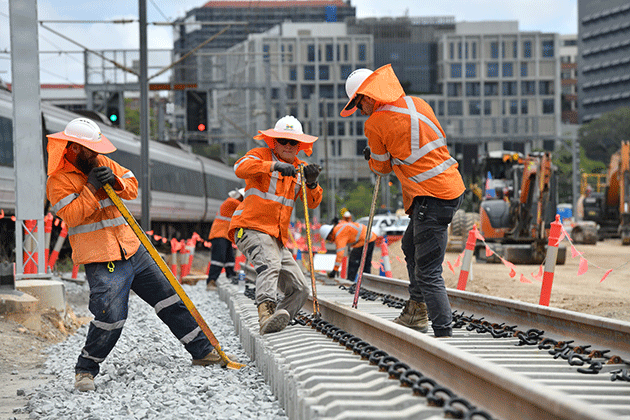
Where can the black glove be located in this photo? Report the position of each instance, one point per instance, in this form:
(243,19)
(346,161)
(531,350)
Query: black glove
(93,179)
(367,152)
(332,274)
(105,175)
(311,172)
(285,169)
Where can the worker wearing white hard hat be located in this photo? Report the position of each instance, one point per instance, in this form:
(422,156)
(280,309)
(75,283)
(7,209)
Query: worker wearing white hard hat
(349,235)
(405,136)
(222,252)
(114,259)
(347,216)
(260,225)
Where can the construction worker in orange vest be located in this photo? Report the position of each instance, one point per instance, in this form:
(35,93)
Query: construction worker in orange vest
(115,261)
(349,234)
(404,136)
(222,254)
(260,224)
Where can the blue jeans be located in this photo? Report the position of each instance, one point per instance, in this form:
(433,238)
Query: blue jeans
(110,283)
(424,245)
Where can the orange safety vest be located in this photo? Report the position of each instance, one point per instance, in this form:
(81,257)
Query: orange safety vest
(269,196)
(96,229)
(221,223)
(351,234)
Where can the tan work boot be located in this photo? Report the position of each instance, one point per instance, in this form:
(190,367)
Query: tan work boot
(84,381)
(213,358)
(211,285)
(414,316)
(271,320)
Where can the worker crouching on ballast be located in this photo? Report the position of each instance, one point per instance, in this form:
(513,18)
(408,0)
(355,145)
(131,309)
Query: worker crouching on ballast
(115,261)
(260,224)
(349,234)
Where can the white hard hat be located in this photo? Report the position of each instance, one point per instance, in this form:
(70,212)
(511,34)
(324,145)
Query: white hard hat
(355,80)
(325,230)
(241,191)
(347,214)
(87,133)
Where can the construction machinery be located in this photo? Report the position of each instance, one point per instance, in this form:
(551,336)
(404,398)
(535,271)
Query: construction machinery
(518,205)
(610,208)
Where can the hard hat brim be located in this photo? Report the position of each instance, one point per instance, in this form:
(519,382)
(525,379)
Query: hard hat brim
(102,146)
(302,138)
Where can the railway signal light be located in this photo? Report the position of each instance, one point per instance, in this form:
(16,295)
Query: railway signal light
(113,109)
(196,111)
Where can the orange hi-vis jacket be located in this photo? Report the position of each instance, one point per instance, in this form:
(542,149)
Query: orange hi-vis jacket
(96,229)
(221,223)
(351,234)
(269,196)
(405,136)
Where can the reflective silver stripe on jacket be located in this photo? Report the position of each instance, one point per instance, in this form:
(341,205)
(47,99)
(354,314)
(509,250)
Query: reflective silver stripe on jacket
(418,152)
(128,174)
(246,157)
(219,217)
(64,202)
(92,227)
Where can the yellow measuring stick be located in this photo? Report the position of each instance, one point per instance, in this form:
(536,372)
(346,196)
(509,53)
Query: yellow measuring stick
(310,244)
(169,275)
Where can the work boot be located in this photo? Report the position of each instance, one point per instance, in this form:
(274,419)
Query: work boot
(271,320)
(414,316)
(213,358)
(84,381)
(211,285)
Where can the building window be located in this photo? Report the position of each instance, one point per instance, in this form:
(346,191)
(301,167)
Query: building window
(487,108)
(440,107)
(474,108)
(473,89)
(292,73)
(547,106)
(310,53)
(474,50)
(307,91)
(493,69)
(329,52)
(514,49)
(345,71)
(527,49)
(451,51)
(456,70)
(361,144)
(324,72)
(455,108)
(362,52)
(309,72)
(453,90)
(509,89)
(341,128)
(266,52)
(547,49)
(345,52)
(466,51)
(514,107)
(502,49)
(545,87)
(359,127)
(459,50)
(341,91)
(491,89)
(524,107)
(494,49)
(507,70)
(523,69)
(327,91)
(528,88)
(471,69)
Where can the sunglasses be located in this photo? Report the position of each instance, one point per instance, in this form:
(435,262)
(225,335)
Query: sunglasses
(356,102)
(285,141)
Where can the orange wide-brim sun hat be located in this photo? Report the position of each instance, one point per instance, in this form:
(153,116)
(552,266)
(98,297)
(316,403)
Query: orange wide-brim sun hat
(288,127)
(82,131)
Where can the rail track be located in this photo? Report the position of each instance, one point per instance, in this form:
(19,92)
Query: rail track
(506,359)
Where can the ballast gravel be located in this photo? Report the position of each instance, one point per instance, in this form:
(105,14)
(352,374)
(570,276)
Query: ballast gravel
(149,374)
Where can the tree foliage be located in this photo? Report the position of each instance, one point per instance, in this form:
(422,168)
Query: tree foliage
(602,137)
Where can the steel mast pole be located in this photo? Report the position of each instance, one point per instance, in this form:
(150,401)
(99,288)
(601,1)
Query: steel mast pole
(145,180)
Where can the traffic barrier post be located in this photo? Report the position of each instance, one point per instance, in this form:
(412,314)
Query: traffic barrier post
(174,254)
(60,240)
(467,261)
(75,271)
(385,266)
(550,261)
(183,261)
(30,252)
(344,268)
(48,222)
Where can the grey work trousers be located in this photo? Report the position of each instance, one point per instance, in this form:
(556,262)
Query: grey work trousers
(275,269)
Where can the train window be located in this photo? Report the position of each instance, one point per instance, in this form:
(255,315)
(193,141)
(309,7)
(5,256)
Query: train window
(6,142)
(218,187)
(174,179)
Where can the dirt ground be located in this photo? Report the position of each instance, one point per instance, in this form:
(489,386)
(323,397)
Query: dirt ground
(22,339)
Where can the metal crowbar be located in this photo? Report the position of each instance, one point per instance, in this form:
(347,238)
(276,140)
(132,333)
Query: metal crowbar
(366,242)
(316,312)
(169,276)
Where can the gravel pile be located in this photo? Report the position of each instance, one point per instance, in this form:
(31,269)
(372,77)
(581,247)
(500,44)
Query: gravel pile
(149,374)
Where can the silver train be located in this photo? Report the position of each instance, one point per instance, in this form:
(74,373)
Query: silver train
(186,189)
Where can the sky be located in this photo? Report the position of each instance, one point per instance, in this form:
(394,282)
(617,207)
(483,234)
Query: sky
(58,67)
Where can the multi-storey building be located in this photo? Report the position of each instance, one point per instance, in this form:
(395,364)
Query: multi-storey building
(500,89)
(296,69)
(604,57)
(568,78)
